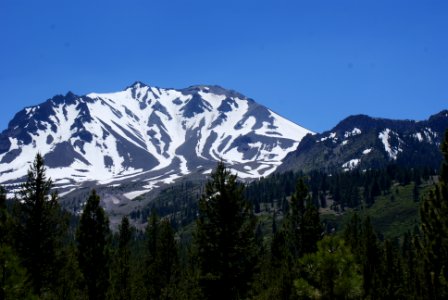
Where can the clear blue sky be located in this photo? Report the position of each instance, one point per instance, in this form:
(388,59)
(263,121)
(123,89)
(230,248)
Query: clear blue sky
(314,62)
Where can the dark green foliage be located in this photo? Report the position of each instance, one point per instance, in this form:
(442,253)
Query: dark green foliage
(179,203)
(93,238)
(161,262)
(121,268)
(391,273)
(369,256)
(279,275)
(434,216)
(278,254)
(302,226)
(330,273)
(225,238)
(40,230)
(346,189)
(299,234)
(13,277)
(352,233)
(362,240)
(5,219)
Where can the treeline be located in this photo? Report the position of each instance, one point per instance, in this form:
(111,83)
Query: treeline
(179,203)
(344,189)
(47,254)
(337,192)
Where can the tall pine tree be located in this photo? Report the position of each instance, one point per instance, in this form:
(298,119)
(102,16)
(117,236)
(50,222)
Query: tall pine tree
(13,283)
(434,218)
(41,229)
(300,232)
(161,261)
(330,273)
(93,238)
(225,238)
(302,224)
(121,271)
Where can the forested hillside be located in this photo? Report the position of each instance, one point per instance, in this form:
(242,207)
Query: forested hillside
(289,236)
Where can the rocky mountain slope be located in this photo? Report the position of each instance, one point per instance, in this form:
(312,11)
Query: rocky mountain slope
(145,134)
(364,142)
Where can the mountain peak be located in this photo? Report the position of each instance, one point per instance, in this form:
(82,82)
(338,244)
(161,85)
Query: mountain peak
(149,134)
(354,120)
(364,142)
(441,115)
(212,89)
(61,99)
(137,85)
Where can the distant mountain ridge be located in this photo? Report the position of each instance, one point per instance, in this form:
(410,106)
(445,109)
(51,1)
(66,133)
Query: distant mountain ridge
(364,142)
(146,134)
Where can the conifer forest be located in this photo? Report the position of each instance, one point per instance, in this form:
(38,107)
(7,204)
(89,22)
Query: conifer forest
(288,236)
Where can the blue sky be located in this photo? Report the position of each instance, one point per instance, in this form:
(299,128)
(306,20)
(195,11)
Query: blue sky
(314,62)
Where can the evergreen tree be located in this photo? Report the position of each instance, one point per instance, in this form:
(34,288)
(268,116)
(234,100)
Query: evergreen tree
(294,221)
(302,224)
(225,238)
(41,229)
(370,257)
(13,277)
(168,256)
(311,228)
(4,218)
(434,219)
(152,260)
(362,240)
(280,275)
(391,274)
(121,272)
(352,233)
(161,259)
(93,237)
(330,273)
(299,234)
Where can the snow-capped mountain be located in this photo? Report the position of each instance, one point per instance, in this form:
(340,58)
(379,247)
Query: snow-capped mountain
(147,134)
(362,142)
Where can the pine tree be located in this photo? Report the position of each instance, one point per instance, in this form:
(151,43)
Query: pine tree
(13,277)
(161,259)
(352,233)
(93,237)
(225,238)
(294,221)
(280,275)
(391,274)
(302,224)
(121,274)
(312,228)
(5,219)
(168,253)
(330,273)
(299,234)
(41,229)
(370,256)
(434,220)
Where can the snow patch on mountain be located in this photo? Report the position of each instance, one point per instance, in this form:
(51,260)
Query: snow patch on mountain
(354,132)
(351,164)
(367,151)
(385,136)
(147,134)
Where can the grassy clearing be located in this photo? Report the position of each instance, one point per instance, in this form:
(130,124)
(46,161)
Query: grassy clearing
(392,215)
